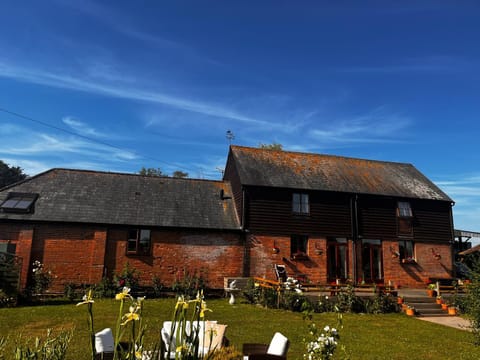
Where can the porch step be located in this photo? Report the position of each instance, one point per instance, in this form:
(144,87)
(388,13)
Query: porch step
(425,306)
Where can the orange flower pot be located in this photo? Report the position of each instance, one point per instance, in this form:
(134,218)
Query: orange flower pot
(410,312)
(452,311)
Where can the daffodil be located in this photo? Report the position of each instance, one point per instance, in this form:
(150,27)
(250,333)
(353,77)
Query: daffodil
(131,315)
(203,308)
(87,298)
(124,294)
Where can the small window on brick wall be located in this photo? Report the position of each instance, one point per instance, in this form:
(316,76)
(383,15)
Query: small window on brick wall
(406,250)
(138,242)
(298,246)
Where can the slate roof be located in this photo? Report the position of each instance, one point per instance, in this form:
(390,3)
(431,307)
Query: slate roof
(126,199)
(284,169)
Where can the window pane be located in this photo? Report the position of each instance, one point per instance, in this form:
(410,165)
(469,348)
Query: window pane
(132,241)
(305,204)
(404,209)
(296,203)
(144,242)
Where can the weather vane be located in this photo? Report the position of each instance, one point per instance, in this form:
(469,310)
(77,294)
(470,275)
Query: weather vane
(230,136)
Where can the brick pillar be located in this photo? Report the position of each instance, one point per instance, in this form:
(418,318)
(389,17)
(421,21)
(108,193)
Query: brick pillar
(98,256)
(24,251)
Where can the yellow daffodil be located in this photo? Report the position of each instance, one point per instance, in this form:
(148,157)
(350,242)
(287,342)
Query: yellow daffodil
(131,315)
(203,308)
(181,303)
(87,298)
(124,294)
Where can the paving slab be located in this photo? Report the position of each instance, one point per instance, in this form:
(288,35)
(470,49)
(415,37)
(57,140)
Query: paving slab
(452,321)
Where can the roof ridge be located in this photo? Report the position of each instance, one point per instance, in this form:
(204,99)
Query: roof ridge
(322,154)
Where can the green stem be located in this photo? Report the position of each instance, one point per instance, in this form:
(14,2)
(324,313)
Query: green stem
(92,331)
(117,331)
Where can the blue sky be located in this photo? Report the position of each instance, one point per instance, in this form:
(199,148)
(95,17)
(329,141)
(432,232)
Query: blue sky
(162,82)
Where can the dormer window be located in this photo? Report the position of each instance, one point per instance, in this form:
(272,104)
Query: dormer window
(19,202)
(404,210)
(300,203)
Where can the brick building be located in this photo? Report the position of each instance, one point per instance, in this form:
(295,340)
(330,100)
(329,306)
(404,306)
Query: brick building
(323,217)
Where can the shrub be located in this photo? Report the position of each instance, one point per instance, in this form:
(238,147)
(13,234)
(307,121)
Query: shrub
(348,302)
(42,278)
(129,277)
(189,284)
(293,301)
(105,288)
(471,301)
(7,300)
(380,304)
(157,286)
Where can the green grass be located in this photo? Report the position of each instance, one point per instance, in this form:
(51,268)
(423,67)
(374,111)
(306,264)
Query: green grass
(392,336)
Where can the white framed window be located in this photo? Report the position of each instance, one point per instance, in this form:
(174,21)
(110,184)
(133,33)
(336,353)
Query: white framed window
(300,203)
(138,242)
(404,209)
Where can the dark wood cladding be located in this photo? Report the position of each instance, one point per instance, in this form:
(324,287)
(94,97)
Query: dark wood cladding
(377,218)
(270,211)
(432,221)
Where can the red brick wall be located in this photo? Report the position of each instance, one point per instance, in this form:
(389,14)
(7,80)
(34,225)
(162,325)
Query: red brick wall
(425,267)
(21,237)
(82,254)
(263,259)
(214,255)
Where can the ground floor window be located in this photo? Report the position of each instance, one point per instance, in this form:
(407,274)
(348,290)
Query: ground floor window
(337,259)
(372,269)
(406,250)
(138,242)
(298,246)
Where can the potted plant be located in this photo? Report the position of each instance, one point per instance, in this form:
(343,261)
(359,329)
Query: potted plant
(444,306)
(400,300)
(439,299)
(431,290)
(410,311)
(452,310)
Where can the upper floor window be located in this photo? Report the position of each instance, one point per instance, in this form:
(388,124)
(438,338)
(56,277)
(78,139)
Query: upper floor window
(404,210)
(300,203)
(139,242)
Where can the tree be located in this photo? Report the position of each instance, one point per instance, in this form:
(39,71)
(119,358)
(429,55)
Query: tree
(10,174)
(158,172)
(179,174)
(151,172)
(272,146)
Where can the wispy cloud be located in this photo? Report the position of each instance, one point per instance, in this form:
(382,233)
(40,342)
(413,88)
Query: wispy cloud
(378,126)
(41,77)
(25,146)
(465,191)
(81,127)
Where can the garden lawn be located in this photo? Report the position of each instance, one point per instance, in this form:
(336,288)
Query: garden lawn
(391,336)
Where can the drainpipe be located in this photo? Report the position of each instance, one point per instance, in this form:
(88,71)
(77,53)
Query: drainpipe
(354,230)
(245,232)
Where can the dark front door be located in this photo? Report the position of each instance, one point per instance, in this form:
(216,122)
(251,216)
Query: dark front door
(337,259)
(372,269)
